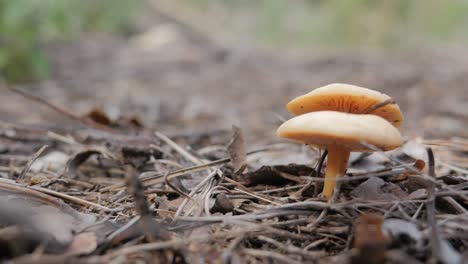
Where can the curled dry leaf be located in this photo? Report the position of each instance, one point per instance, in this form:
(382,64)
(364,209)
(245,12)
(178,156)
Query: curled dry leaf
(222,204)
(378,190)
(83,155)
(237,150)
(79,158)
(138,156)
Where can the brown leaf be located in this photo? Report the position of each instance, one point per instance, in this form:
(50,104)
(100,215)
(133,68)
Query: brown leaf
(79,158)
(83,243)
(98,115)
(222,204)
(237,150)
(378,190)
(83,155)
(138,156)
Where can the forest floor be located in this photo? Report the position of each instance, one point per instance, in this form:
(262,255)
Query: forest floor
(161,106)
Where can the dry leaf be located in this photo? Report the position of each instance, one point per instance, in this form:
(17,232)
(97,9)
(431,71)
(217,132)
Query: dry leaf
(237,150)
(222,204)
(83,243)
(79,158)
(378,190)
(98,115)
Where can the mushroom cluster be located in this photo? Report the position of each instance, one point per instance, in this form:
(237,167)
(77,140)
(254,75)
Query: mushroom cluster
(343,118)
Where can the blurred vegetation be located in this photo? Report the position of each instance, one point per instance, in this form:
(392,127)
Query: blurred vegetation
(27,24)
(343,23)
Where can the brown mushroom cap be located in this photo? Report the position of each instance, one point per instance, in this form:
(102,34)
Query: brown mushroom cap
(346,98)
(327,128)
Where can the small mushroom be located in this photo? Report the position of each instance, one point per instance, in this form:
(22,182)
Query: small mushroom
(349,99)
(340,133)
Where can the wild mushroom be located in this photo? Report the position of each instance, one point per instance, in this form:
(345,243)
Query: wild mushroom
(340,133)
(349,99)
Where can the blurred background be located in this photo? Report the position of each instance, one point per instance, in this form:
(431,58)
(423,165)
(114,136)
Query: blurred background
(194,65)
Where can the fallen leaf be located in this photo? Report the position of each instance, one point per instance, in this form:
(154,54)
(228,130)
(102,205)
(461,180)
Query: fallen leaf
(222,204)
(79,158)
(237,150)
(83,243)
(98,115)
(82,156)
(378,190)
(138,156)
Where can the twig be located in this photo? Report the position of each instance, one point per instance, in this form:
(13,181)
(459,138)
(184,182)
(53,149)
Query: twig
(194,190)
(61,110)
(291,248)
(317,174)
(175,243)
(430,205)
(177,190)
(227,254)
(15,187)
(379,105)
(73,199)
(178,148)
(157,177)
(269,255)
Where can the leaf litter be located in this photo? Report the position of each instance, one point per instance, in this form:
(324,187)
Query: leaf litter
(98,195)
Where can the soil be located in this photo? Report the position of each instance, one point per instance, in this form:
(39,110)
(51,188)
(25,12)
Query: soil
(87,205)
(178,84)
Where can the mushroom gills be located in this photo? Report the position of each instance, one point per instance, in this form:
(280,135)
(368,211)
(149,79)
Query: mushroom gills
(336,165)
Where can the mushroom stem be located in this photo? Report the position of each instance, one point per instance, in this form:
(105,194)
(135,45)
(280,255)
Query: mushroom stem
(336,165)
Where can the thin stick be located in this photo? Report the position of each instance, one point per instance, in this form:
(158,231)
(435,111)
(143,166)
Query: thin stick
(61,110)
(257,196)
(173,187)
(317,174)
(379,105)
(178,148)
(269,255)
(73,199)
(431,211)
(177,173)
(15,187)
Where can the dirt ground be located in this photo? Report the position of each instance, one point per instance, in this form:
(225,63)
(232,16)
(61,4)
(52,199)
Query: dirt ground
(193,92)
(176,84)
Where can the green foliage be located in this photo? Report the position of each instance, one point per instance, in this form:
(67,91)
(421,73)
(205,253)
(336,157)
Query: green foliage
(27,24)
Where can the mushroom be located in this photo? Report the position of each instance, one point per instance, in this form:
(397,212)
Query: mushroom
(349,99)
(340,133)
